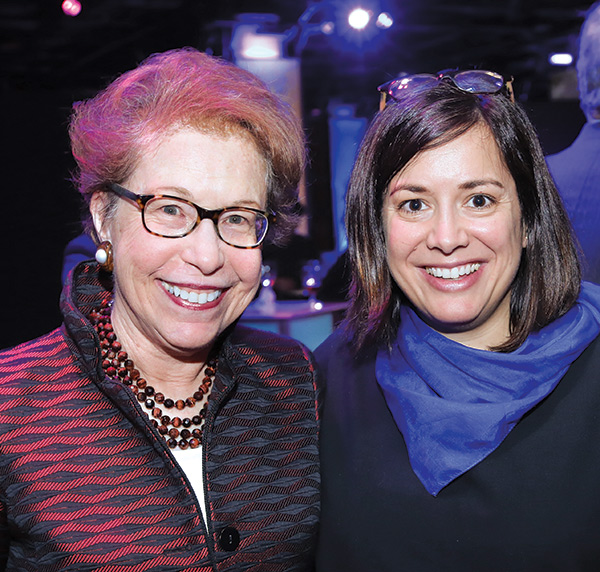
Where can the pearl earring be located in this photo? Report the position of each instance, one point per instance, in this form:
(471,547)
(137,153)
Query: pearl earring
(104,256)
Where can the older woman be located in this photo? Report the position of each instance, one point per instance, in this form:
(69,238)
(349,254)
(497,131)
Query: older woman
(461,422)
(150,432)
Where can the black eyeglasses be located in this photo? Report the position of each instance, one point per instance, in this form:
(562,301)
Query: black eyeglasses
(479,82)
(174,217)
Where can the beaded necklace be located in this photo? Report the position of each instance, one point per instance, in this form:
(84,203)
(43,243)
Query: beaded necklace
(179,432)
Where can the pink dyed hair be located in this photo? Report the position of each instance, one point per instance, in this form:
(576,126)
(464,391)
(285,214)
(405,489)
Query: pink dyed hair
(178,89)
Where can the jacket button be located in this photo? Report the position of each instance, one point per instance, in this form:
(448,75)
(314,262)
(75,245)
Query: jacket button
(229,539)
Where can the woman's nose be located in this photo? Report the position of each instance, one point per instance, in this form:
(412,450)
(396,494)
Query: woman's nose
(203,247)
(448,231)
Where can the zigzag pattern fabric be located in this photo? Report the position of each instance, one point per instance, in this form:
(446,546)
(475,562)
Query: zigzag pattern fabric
(86,482)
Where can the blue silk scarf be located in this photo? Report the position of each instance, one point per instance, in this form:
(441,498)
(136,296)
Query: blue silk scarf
(454,404)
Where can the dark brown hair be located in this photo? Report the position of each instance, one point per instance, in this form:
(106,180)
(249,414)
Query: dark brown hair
(549,276)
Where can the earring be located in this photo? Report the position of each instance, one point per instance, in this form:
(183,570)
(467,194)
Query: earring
(104,256)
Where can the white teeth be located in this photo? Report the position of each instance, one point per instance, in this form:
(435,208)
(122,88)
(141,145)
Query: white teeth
(453,273)
(193,297)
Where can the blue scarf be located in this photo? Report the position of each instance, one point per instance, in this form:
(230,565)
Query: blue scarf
(454,404)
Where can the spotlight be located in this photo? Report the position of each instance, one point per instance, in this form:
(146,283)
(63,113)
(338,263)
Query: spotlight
(359,18)
(384,21)
(71,7)
(560,59)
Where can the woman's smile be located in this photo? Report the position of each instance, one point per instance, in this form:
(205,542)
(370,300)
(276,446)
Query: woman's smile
(192,296)
(454,273)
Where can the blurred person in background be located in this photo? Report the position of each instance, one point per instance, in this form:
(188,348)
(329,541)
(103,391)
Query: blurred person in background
(576,169)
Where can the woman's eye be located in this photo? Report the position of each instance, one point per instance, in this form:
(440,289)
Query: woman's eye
(412,205)
(480,201)
(171,210)
(236,219)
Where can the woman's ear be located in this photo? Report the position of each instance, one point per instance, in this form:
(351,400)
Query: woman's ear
(98,209)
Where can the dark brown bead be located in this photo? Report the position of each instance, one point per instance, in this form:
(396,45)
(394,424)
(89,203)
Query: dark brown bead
(166,419)
(190,402)
(163,430)
(149,403)
(198,395)
(186,433)
(108,326)
(169,403)
(122,356)
(128,364)
(149,390)
(160,397)
(209,371)
(186,422)
(183,444)
(196,419)
(134,374)
(105,363)
(194,443)
(141,396)
(111,336)
(197,433)
(180,404)
(173,432)
(116,346)
(111,371)
(172,443)
(141,382)
(156,412)
(176,422)
(122,372)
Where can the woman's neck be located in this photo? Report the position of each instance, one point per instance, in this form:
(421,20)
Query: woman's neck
(174,372)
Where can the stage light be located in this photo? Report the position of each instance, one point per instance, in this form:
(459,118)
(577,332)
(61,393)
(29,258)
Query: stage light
(560,59)
(71,7)
(384,21)
(261,47)
(359,18)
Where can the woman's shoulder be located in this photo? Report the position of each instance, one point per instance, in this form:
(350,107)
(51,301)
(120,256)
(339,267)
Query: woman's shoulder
(33,351)
(29,362)
(264,346)
(337,352)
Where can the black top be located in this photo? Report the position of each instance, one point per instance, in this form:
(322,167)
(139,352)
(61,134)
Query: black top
(533,504)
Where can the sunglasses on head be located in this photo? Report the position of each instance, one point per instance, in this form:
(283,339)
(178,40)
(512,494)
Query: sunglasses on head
(479,82)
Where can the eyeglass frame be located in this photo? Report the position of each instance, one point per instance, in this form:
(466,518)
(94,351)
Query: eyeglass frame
(142,200)
(448,75)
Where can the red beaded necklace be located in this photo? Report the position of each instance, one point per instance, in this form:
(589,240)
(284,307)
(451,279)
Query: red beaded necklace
(179,432)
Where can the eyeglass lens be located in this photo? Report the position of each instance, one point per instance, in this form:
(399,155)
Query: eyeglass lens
(171,217)
(472,81)
(478,81)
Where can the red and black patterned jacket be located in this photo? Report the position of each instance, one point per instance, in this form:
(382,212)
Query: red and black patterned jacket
(86,482)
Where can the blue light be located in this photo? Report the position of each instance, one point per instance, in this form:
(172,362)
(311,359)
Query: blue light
(560,59)
(384,21)
(359,18)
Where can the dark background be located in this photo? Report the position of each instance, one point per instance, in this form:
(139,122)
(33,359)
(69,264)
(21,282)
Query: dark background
(48,60)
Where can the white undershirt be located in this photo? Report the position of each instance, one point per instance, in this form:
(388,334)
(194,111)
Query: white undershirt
(190,461)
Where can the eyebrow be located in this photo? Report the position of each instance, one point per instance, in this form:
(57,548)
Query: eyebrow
(183,193)
(468,185)
(481,183)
